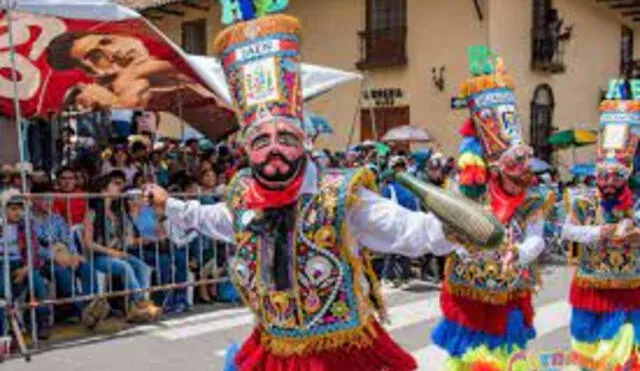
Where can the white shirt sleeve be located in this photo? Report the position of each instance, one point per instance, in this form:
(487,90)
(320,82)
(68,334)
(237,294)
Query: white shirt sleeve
(215,221)
(533,243)
(386,227)
(580,233)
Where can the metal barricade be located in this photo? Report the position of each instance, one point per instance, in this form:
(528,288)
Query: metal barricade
(75,249)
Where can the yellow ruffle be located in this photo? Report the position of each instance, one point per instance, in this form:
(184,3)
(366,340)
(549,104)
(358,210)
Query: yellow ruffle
(287,347)
(603,283)
(605,355)
(499,359)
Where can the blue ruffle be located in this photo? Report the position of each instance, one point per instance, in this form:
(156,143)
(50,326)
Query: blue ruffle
(229,359)
(471,144)
(457,339)
(589,327)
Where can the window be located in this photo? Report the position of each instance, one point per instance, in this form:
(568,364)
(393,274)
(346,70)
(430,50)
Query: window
(383,42)
(194,37)
(626,52)
(549,38)
(541,127)
(386,118)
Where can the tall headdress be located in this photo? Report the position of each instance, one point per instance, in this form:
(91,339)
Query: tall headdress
(260,55)
(493,125)
(619,132)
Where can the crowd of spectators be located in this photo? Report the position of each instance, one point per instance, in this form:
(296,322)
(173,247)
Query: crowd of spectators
(94,234)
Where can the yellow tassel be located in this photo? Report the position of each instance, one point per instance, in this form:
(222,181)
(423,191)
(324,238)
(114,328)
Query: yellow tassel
(606,283)
(361,337)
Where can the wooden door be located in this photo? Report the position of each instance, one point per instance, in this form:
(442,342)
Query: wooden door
(386,118)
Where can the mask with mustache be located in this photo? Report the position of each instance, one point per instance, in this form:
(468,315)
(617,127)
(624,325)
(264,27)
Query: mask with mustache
(276,154)
(277,171)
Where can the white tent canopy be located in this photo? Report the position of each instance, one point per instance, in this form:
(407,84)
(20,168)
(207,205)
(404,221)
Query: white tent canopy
(316,80)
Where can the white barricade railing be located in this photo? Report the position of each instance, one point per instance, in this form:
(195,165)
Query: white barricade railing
(80,246)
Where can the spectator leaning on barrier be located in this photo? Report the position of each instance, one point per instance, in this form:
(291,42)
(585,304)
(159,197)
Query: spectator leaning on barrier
(60,250)
(147,239)
(14,247)
(103,230)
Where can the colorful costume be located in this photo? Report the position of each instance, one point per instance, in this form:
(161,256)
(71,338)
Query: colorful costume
(299,262)
(487,308)
(605,292)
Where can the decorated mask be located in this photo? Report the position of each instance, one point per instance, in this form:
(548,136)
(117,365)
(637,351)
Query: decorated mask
(492,134)
(617,144)
(261,60)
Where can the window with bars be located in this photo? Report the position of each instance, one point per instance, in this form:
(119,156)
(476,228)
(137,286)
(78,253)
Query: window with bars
(383,42)
(626,52)
(549,37)
(194,37)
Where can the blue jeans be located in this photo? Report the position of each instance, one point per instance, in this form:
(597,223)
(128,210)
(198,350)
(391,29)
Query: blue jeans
(396,267)
(39,290)
(134,273)
(160,262)
(181,266)
(65,281)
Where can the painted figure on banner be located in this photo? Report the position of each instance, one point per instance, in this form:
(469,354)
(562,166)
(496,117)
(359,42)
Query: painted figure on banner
(85,65)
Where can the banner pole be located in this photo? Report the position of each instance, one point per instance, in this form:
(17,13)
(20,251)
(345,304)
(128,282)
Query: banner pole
(10,5)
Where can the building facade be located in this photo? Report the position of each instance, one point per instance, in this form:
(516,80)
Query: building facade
(413,54)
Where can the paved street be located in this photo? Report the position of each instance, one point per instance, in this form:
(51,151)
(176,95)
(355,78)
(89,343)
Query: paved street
(198,342)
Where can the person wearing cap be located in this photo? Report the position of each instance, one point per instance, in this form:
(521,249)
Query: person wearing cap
(487,296)
(299,231)
(605,291)
(397,268)
(14,247)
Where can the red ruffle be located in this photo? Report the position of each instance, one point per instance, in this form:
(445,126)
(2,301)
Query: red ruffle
(485,366)
(383,354)
(604,300)
(479,316)
(472,175)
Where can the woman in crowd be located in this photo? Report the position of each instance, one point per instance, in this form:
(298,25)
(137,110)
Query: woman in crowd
(103,228)
(120,160)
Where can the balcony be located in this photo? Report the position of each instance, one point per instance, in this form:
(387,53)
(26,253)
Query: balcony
(385,47)
(548,52)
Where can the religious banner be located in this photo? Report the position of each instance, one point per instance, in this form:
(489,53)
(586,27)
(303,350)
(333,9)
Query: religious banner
(85,64)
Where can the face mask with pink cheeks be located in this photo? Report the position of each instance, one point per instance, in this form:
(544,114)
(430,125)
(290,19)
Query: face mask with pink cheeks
(276,153)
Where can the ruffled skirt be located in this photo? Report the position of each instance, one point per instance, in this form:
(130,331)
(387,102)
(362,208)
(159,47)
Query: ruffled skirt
(605,341)
(381,355)
(484,337)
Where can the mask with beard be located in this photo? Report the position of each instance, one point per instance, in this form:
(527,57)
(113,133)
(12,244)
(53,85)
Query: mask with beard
(276,154)
(515,165)
(611,181)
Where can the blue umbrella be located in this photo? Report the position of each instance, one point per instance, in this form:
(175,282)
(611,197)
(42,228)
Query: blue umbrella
(540,166)
(584,169)
(315,124)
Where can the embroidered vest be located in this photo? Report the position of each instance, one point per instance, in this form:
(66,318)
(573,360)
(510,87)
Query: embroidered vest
(334,295)
(482,277)
(599,266)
